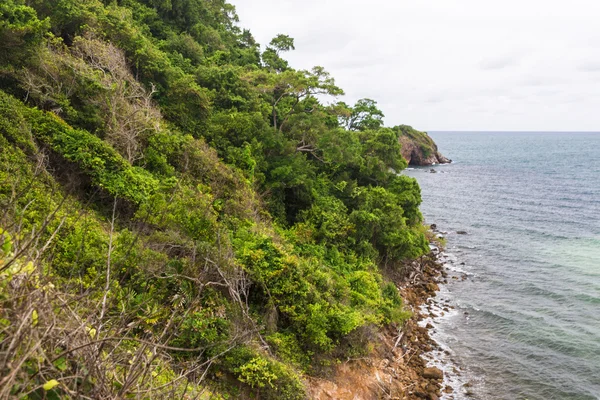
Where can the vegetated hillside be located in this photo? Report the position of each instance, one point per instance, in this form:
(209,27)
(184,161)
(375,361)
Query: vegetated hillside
(180,215)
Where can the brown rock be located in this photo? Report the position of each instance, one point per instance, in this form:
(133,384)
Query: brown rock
(433,287)
(433,373)
(414,154)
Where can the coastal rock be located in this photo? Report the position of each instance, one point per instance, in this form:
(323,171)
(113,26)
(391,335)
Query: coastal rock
(461,232)
(418,148)
(433,373)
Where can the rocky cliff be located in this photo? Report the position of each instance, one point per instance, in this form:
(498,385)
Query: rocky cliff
(418,148)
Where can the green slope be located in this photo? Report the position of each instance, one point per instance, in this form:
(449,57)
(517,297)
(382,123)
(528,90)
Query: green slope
(179,214)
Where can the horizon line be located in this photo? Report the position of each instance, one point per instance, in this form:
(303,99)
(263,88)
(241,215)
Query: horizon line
(507,131)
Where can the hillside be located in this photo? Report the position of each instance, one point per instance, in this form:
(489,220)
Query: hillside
(180,216)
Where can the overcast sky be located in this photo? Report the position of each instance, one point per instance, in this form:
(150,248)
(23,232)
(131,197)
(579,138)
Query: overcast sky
(449,64)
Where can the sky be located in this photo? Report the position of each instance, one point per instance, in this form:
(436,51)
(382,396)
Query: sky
(449,64)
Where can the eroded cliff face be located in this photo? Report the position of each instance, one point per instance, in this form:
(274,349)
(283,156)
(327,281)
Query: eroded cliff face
(418,148)
(416,155)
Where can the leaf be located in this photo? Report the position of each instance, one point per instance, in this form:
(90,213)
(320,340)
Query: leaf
(61,364)
(28,268)
(51,384)
(7,245)
(34,318)
(92,332)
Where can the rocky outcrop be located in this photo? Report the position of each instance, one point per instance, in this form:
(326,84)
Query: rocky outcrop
(418,148)
(415,155)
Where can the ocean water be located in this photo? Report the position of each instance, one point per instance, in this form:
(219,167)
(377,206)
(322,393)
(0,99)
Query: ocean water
(526,321)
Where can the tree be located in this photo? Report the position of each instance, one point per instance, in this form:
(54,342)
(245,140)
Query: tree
(271,56)
(364,115)
(20,30)
(287,89)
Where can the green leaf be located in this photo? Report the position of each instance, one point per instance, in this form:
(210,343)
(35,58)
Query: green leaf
(51,384)
(61,364)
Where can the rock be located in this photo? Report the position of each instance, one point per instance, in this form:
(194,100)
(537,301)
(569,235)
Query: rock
(432,287)
(461,232)
(433,226)
(433,171)
(448,389)
(419,149)
(433,373)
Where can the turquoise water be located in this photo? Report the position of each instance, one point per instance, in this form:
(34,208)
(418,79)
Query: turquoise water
(527,321)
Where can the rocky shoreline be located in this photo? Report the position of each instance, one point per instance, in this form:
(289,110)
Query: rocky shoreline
(418,292)
(397,368)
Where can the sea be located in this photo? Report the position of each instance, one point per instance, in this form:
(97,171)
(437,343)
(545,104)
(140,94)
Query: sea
(522,304)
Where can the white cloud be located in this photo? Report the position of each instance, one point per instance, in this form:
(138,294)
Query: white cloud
(449,64)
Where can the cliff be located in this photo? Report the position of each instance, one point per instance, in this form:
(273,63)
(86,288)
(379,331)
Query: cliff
(418,148)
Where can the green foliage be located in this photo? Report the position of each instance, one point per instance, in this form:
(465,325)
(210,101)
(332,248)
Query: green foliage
(202,328)
(270,378)
(194,194)
(101,162)
(271,56)
(381,223)
(20,31)
(364,115)
(288,349)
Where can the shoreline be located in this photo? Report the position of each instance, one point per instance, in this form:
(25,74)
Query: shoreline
(403,365)
(420,294)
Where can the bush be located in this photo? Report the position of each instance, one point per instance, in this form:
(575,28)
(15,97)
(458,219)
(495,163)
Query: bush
(270,379)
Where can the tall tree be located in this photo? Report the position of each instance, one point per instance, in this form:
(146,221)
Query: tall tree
(272,55)
(364,115)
